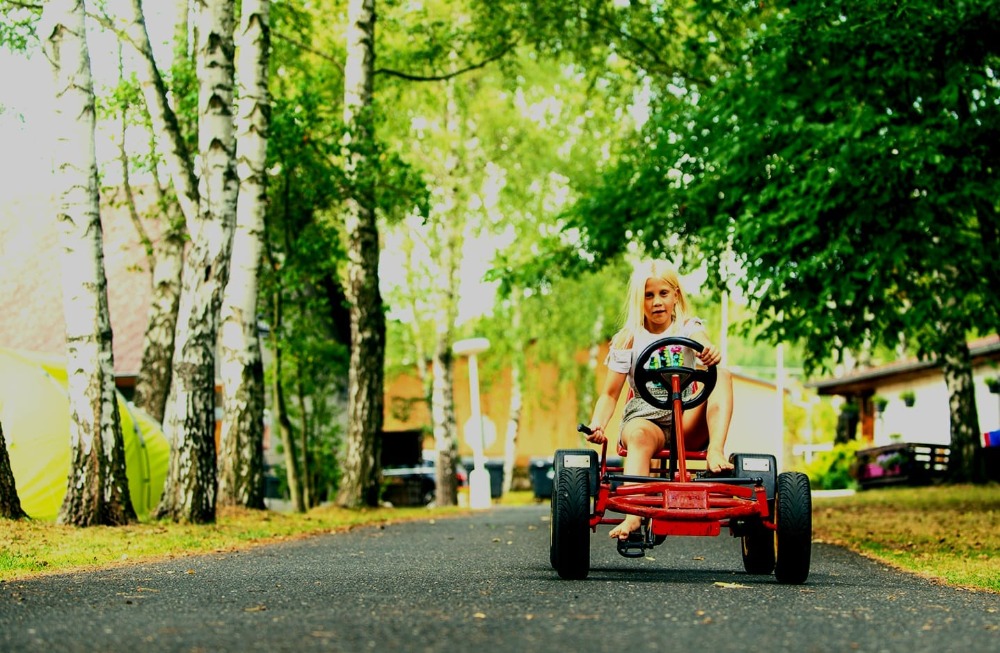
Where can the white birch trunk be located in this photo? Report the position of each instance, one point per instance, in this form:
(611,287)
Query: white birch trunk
(360,483)
(153,383)
(190,491)
(516,401)
(97,492)
(174,151)
(152,386)
(241,460)
(449,227)
(443,422)
(10,503)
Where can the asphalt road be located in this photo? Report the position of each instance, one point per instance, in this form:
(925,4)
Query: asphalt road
(483,583)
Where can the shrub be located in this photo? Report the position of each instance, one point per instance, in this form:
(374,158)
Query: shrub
(833,470)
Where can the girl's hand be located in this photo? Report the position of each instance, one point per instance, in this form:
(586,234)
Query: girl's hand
(596,434)
(710,356)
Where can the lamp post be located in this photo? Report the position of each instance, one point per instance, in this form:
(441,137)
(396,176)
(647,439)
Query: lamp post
(479,479)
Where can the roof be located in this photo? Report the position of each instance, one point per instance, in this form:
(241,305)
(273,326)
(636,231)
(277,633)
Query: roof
(30,281)
(867,379)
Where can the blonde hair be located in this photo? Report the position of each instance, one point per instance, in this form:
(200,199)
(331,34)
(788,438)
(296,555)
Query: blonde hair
(635,300)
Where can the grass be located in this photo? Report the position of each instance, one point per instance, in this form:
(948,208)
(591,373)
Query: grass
(948,533)
(951,533)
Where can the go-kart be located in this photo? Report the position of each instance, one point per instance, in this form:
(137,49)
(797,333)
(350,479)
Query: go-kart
(771,513)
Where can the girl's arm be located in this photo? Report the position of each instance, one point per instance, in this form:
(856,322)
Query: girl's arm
(710,355)
(605,406)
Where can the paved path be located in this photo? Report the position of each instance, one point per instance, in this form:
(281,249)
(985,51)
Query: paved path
(483,583)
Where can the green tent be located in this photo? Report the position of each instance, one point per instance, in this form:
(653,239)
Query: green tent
(34,411)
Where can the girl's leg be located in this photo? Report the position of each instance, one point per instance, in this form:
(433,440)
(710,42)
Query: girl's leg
(642,439)
(707,426)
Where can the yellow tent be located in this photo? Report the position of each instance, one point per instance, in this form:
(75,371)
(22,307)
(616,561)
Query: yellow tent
(34,411)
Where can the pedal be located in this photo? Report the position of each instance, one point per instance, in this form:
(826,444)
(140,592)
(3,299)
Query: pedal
(633,547)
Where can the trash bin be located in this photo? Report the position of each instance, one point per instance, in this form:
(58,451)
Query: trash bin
(542,472)
(495,468)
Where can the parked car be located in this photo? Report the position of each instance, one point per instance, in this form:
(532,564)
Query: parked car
(416,485)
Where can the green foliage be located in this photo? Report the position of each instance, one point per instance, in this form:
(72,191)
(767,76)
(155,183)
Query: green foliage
(833,470)
(559,324)
(17,24)
(843,164)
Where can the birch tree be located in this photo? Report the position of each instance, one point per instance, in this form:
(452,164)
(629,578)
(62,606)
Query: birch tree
(97,491)
(10,503)
(446,227)
(360,484)
(190,491)
(241,461)
(152,385)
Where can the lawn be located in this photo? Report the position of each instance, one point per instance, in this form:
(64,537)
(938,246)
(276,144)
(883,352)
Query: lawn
(947,532)
(951,533)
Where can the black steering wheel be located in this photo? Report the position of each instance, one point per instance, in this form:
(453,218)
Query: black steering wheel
(661,360)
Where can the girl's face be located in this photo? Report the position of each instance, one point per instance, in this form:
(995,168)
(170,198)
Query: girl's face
(658,306)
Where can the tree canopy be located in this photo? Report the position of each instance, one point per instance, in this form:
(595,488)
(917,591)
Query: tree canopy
(846,164)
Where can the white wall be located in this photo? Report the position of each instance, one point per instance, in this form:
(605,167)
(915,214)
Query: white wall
(929,419)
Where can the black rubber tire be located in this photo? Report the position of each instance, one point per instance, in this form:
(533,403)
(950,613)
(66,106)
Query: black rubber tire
(758,548)
(793,518)
(569,534)
(553,518)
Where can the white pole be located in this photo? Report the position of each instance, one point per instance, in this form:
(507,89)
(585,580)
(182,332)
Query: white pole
(477,412)
(479,478)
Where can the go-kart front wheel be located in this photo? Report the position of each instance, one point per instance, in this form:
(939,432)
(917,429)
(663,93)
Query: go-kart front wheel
(793,522)
(569,527)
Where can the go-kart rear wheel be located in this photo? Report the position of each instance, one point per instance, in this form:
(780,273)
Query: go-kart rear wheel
(758,548)
(793,519)
(569,528)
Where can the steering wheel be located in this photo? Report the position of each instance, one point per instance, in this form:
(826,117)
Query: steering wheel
(662,359)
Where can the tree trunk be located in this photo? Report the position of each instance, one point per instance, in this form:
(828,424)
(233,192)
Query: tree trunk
(360,483)
(155,373)
(97,491)
(307,475)
(292,469)
(153,383)
(513,426)
(173,148)
(516,400)
(443,374)
(448,227)
(241,463)
(965,462)
(190,491)
(10,504)
(165,256)
(443,420)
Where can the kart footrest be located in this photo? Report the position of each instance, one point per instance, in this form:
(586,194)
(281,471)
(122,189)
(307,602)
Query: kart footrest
(633,547)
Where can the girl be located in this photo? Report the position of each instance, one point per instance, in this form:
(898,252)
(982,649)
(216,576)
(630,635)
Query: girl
(656,307)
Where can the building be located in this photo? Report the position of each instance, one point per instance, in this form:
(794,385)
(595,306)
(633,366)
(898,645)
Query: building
(927,419)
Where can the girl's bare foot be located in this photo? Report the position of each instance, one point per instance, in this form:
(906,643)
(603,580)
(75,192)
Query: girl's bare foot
(717,461)
(624,529)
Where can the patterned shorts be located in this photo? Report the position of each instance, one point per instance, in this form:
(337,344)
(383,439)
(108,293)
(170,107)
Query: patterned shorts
(637,408)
